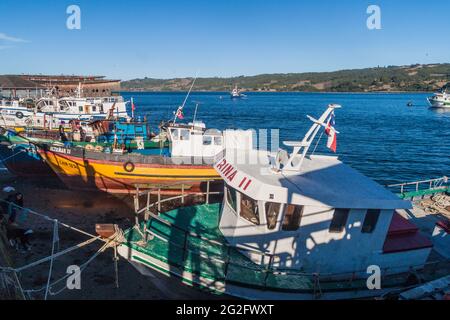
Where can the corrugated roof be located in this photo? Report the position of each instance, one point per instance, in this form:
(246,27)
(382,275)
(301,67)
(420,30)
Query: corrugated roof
(17,82)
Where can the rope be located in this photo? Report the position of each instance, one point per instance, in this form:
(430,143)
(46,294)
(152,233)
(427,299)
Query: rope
(12,156)
(317,143)
(55,239)
(110,242)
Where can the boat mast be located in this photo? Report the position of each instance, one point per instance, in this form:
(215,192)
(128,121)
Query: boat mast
(301,148)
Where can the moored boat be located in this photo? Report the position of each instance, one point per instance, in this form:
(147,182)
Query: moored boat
(190,157)
(236,93)
(440,99)
(292,226)
(19,153)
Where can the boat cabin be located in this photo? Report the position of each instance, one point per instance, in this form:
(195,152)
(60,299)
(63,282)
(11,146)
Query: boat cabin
(194,140)
(314,213)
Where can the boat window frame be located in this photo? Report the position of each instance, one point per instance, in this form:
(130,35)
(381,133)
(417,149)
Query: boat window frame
(244,197)
(210,140)
(174,133)
(297,225)
(227,197)
(218,138)
(185,134)
(277,216)
(370,221)
(338,224)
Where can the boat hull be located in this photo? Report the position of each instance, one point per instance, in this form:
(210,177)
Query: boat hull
(22,159)
(435,103)
(83,170)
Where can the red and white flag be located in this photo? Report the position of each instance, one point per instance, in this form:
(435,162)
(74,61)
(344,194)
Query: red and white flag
(179,113)
(132,105)
(331,133)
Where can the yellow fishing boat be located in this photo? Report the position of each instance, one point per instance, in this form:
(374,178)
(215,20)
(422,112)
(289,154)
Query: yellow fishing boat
(186,160)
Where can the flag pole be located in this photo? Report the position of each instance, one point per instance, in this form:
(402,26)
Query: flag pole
(185,100)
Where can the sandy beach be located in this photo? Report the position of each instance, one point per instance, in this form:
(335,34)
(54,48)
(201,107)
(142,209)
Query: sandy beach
(83,211)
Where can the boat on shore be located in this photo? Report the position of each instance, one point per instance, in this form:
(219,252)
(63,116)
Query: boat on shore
(292,226)
(189,158)
(50,112)
(19,152)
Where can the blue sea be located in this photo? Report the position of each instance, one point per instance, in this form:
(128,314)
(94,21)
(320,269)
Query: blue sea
(379,135)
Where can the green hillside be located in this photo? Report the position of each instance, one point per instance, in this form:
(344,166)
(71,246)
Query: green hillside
(389,79)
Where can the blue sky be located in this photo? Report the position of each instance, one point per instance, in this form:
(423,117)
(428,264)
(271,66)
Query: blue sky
(174,38)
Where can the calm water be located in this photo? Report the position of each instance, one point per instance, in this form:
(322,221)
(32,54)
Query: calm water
(379,134)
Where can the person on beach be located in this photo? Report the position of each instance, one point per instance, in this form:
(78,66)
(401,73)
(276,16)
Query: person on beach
(14,203)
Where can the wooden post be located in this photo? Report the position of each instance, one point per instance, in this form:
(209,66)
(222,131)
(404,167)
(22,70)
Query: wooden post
(207,192)
(159,200)
(182,193)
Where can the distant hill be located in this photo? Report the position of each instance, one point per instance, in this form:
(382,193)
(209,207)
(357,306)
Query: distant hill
(417,77)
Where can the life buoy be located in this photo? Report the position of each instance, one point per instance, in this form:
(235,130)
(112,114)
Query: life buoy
(19,115)
(128,166)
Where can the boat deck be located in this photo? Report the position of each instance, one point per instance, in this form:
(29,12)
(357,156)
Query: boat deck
(209,257)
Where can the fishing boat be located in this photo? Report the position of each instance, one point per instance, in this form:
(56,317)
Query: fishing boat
(440,99)
(192,152)
(50,111)
(236,93)
(18,151)
(290,226)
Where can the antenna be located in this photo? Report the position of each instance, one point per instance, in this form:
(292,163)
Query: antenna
(195,112)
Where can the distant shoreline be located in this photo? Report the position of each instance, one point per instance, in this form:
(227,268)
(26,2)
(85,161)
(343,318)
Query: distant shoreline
(306,92)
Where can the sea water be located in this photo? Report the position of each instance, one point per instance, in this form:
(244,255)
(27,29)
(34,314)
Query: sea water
(379,134)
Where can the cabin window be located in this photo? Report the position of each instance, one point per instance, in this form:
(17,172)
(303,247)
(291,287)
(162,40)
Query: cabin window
(339,220)
(231,198)
(292,217)
(207,140)
(218,141)
(249,209)
(174,134)
(272,211)
(184,134)
(370,221)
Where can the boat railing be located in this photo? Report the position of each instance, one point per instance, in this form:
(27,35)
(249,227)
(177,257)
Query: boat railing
(268,267)
(421,188)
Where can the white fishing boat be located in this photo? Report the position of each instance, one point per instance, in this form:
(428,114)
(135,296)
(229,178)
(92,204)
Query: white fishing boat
(440,99)
(236,93)
(51,112)
(290,226)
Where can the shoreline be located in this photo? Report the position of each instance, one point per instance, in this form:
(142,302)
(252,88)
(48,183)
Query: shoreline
(83,210)
(299,92)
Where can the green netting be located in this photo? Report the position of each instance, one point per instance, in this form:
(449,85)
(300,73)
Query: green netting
(217,261)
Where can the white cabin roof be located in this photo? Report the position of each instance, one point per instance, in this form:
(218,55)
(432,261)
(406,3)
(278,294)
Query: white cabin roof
(323,181)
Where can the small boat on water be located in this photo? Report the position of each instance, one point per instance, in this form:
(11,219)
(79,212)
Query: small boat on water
(236,93)
(290,226)
(440,99)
